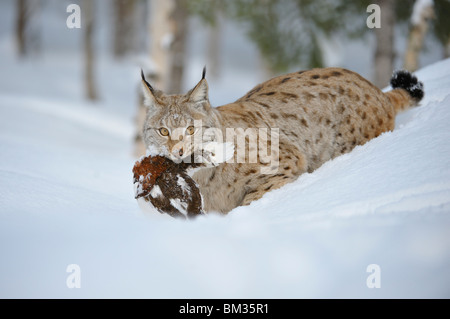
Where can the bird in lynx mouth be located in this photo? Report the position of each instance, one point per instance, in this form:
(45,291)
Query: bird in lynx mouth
(313,115)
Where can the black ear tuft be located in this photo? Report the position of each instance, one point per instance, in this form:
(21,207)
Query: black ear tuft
(145,81)
(403,79)
(204,72)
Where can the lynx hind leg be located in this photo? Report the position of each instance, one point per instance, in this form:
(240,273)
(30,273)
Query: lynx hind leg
(274,182)
(292,164)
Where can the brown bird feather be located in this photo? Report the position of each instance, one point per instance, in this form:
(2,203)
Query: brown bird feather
(178,194)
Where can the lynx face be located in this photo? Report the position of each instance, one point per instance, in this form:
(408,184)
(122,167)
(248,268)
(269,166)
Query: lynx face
(175,125)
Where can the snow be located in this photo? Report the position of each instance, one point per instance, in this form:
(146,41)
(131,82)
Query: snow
(182,183)
(155,192)
(154,150)
(138,189)
(67,197)
(179,205)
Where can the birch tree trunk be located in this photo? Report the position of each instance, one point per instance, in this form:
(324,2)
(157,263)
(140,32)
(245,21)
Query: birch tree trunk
(161,13)
(423,11)
(27,27)
(214,47)
(124,31)
(168,29)
(161,39)
(384,54)
(90,87)
(179,27)
(447,49)
(21,26)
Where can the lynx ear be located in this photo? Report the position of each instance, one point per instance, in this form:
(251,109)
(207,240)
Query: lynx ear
(199,93)
(149,92)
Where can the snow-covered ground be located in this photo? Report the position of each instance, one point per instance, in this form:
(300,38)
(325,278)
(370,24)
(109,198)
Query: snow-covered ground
(66,197)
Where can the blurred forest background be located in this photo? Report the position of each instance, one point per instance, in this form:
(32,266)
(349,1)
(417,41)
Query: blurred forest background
(242,42)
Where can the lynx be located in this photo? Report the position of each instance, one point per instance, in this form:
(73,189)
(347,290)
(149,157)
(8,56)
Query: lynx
(313,116)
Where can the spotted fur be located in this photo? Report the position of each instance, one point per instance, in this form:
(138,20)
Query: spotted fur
(320,114)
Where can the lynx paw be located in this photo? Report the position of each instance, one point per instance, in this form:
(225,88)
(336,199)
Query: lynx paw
(215,153)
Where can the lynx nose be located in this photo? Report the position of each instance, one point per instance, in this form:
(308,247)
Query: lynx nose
(180,152)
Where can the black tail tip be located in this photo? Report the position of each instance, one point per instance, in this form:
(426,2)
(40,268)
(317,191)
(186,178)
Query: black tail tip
(403,79)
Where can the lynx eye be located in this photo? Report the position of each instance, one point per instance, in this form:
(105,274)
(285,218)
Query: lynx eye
(190,130)
(163,131)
